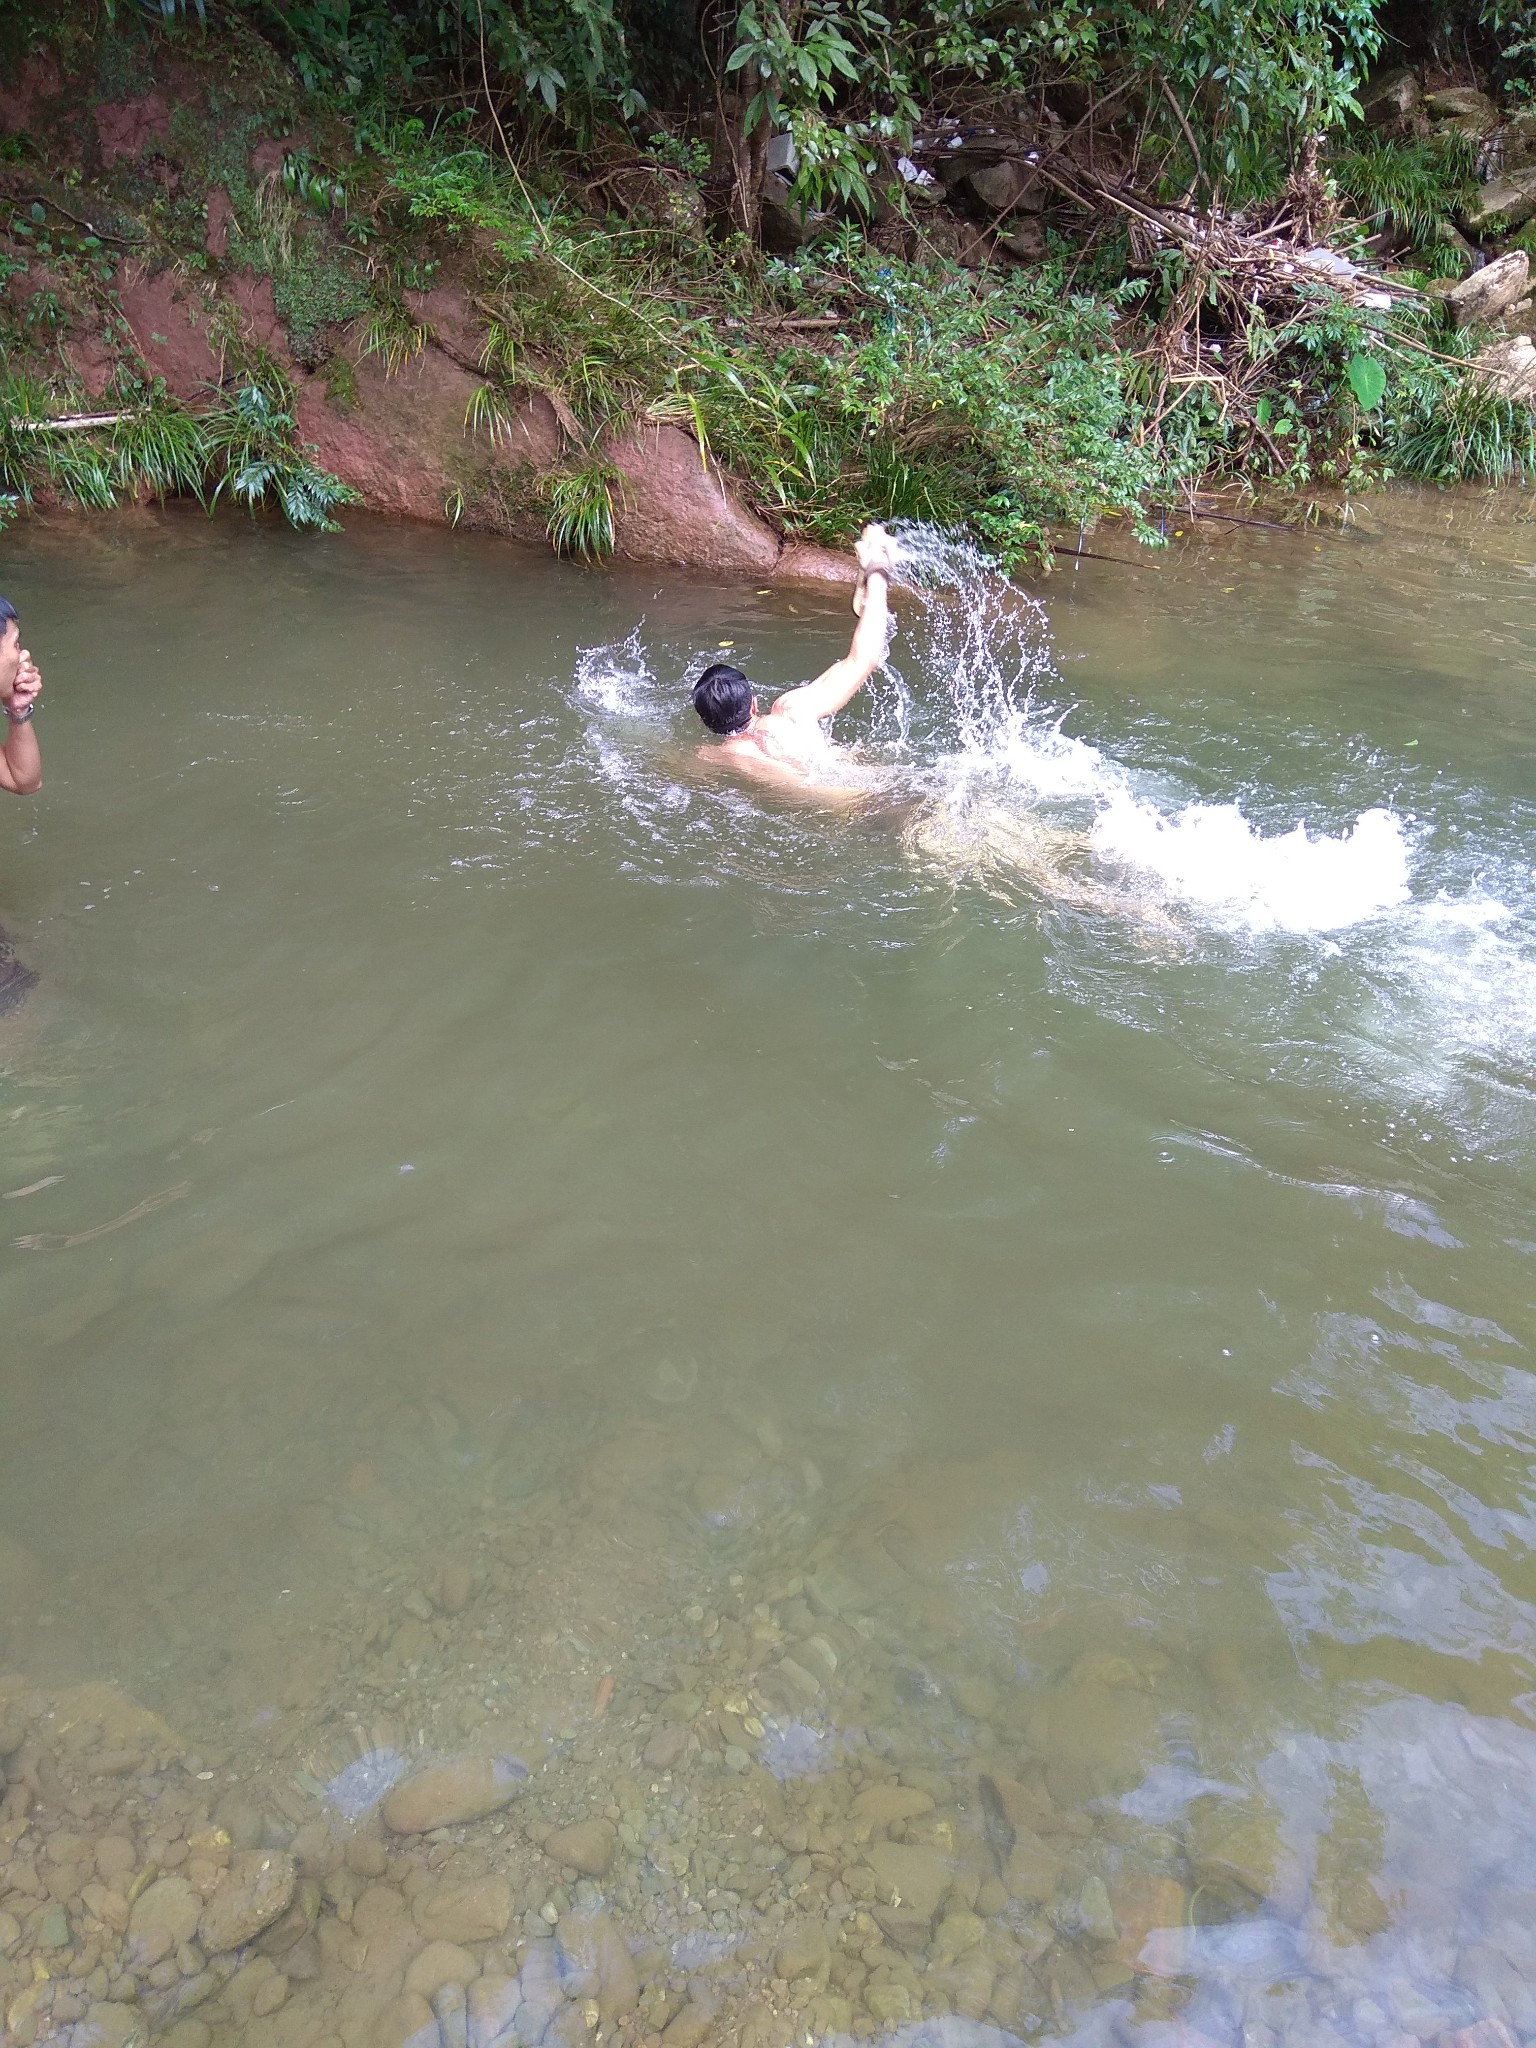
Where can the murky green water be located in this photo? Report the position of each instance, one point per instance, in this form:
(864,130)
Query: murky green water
(486,1212)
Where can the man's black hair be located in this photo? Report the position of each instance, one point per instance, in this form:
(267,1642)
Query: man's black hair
(7,613)
(723,698)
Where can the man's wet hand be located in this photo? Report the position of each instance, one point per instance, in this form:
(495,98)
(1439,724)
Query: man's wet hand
(25,689)
(875,550)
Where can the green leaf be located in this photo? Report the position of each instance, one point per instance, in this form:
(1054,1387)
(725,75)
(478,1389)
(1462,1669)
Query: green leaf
(1367,379)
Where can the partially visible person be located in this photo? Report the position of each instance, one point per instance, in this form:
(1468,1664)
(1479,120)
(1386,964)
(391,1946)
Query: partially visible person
(786,746)
(21,764)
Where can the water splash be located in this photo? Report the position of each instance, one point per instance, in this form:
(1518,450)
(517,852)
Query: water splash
(1210,857)
(616,677)
(999,748)
(989,645)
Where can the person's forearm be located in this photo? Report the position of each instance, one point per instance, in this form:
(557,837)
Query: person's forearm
(869,634)
(23,758)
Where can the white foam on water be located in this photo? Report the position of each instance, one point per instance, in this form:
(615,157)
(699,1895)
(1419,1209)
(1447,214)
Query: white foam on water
(616,677)
(1051,763)
(1209,856)
(1457,984)
(992,648)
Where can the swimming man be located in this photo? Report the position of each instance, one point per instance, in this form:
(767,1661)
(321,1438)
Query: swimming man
(786,746)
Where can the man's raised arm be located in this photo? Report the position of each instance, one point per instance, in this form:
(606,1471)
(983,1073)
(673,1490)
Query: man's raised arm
(21,764)
(844,679)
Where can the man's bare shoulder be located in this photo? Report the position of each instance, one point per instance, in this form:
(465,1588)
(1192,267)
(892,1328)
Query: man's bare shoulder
(745,757)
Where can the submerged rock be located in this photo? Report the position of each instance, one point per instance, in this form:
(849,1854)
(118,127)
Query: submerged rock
(255,1890)
(406,2022)
(1094,1739)
(448,1794)
(1144,1904)
(910,1875)
(440,1963)
(108,2026)
(595,1963)
(586,1846)
(882,1804)
(1228,1843)
(15,980)
(665,1748)
(803,1953)
(478,1910)
(491,2002)
(164,1916)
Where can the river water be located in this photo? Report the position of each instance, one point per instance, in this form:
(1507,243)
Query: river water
(948,1379)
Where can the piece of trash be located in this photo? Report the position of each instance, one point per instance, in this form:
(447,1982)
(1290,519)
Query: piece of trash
(1330,262)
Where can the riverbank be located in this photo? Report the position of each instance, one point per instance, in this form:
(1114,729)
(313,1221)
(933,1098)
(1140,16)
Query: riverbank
(216,284)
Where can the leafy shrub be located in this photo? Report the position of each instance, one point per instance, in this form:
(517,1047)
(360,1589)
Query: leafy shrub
(250,451)
(1007,413)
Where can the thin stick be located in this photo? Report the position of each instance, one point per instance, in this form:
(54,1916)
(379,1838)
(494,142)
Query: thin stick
(1087,555)
(74,422)
(101,234)
(1189,137)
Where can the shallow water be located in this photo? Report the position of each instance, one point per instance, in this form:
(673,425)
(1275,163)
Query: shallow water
(1075,1306)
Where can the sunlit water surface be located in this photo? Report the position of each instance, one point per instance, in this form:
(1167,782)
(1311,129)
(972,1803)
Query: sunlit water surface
(1058,1236)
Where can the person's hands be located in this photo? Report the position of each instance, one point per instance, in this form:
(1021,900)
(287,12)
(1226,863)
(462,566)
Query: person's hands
(875,550)
(24,690)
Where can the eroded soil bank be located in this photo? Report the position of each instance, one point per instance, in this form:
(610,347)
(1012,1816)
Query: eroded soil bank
(147,274)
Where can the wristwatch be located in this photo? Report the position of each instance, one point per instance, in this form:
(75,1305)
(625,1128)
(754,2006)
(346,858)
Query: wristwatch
(24,716)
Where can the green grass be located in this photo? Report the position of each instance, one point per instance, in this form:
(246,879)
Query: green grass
(1468,431)
(1414,188)
(580,501)
(243,445)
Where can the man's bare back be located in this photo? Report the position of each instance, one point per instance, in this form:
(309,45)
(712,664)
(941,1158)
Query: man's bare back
(788,748)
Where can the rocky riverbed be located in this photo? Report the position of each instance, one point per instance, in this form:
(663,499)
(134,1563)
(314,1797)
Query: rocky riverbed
(653,1730)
